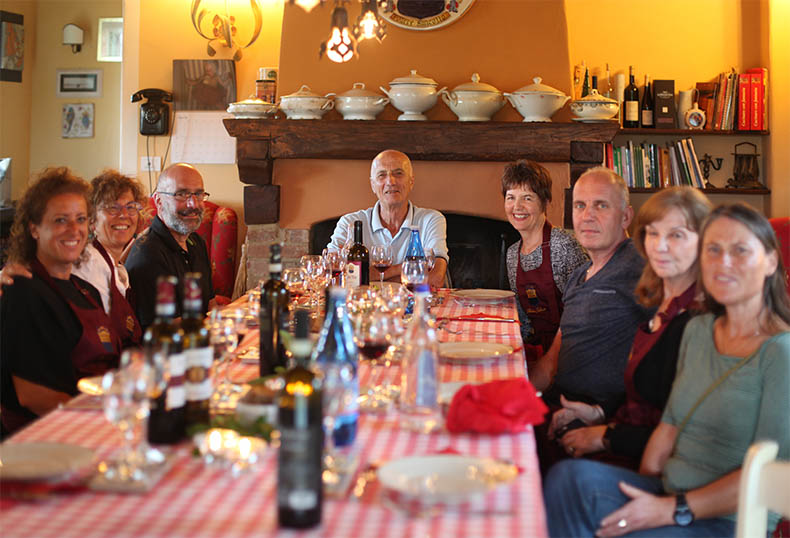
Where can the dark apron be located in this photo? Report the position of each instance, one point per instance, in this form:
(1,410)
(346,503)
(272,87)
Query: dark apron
(121,311)
(99,346)
(539,296)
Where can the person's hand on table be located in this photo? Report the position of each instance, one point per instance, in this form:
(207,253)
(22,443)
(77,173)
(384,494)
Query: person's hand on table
(583,441)
(643,511)
(589,414)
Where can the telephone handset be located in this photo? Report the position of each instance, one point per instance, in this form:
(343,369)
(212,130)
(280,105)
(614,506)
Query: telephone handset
(155,113)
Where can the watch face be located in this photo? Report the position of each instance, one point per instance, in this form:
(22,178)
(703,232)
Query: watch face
(683,517)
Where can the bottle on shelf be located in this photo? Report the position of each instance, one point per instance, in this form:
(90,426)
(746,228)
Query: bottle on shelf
(646,111)
(335,354)
(198,353)
(594,83)
(299,420)
(415,250)
(609,92)
(586,83)
(358,266)
(163,345)
(419,407)
(273,316)
(631,102)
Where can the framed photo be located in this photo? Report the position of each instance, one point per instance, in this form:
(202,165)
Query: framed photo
(77,121)
(79,83)
(12,46)
(110,45)
(204,84)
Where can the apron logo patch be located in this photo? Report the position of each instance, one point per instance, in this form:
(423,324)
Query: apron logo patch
(104,337)
(534,301)
(130,323)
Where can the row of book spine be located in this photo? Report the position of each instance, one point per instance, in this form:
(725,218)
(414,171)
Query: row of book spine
(649,165)
(736,101)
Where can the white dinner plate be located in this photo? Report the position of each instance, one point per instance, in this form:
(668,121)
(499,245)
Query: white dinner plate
(42,461)
(445,478)
(472,352)
(90,385)
(480,296)
(447,390)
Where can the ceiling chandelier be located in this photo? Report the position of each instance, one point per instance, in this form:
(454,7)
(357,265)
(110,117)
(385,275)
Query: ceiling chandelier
(222,31)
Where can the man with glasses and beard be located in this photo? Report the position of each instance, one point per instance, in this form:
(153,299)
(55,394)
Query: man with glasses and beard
(171,247)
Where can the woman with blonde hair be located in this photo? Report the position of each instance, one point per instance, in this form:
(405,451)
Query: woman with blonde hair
(667,236)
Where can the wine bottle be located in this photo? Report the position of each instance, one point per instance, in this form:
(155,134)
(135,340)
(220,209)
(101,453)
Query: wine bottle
(163,345)
(609,89)
(646,111)
(273,316)
(631,102)
(419,407)
(198,353)
(586,84)
(299,419)
(594,83)
(336,354)
(415,250)
(358,266)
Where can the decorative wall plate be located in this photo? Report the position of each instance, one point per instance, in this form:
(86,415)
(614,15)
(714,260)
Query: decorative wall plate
(423,14)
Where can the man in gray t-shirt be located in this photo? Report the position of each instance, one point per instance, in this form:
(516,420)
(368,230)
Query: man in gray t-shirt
(600,317)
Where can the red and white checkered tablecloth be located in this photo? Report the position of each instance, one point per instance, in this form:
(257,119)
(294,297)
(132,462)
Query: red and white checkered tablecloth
(196,500)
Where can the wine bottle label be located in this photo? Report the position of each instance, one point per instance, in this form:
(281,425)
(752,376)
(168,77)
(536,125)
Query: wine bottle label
(198,365)
(632,111)
(647,117)
(353,274)
(299,468)
(176,393)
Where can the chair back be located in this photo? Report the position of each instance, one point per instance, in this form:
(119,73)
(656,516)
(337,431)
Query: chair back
(763,487)
(781,226)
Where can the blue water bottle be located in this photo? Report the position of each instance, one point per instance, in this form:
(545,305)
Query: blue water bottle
(415,251)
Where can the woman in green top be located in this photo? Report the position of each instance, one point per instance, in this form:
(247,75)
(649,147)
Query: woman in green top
(732,389)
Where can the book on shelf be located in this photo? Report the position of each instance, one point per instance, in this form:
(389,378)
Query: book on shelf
(744,102)
(758,80)
(707,101)
(649,165)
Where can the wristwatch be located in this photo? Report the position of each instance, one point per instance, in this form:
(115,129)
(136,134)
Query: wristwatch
(683,515)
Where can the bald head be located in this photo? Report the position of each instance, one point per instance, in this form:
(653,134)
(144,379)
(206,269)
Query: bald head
(175,173)
(179,198)
(391,178)
(391,156)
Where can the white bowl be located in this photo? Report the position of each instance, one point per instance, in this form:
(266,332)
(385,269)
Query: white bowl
(306,105)
(252,108)
(474,101)
(412,95)
(537,102)
(360,104)
(594,107)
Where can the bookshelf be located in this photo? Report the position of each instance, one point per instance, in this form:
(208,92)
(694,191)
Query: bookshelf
(689,132)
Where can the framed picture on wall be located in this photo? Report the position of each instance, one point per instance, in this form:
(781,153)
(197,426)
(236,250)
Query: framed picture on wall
(204,84)
(110,40)
(79,83)
(77,121)
(12,46)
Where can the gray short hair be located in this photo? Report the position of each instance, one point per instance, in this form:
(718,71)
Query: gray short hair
(614,178)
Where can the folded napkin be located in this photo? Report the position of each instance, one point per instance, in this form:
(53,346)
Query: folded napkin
(501,406)
(14,491)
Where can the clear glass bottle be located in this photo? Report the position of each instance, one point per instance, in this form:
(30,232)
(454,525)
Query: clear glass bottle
(419,404)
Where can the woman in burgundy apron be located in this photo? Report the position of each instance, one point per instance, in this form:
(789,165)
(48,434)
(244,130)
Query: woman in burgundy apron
(121,312)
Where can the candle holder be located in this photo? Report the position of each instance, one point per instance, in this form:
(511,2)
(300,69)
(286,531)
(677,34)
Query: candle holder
(225,448)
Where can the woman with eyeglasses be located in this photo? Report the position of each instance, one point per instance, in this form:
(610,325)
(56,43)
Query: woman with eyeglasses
(53,328)
(115,210)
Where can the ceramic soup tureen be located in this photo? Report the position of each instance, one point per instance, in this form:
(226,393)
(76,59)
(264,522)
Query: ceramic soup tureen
(359,103)
(474,101)
(251,108)
(413,95)
(306,105)
(537,102)
(594,107)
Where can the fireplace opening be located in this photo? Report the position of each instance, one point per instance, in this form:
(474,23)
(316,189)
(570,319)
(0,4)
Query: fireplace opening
(477,247)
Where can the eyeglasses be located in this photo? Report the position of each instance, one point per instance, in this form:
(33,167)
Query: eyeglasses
(132,208)
(183,196)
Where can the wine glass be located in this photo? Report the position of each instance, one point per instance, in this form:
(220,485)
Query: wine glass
(294,278)
(336,264)
(414,272)
(224,340)
(430,258)
(373,335)
(381,258)
(318,276)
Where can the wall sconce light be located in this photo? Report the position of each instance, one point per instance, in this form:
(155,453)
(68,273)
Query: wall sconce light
(73,35)
(223,27)
(341,45)
(369,25)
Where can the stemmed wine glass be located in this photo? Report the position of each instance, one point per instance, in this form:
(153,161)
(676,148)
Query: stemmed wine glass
(381,258)
(126,405)
(318,276)
(414,272)
(430,258)
(294,278)
(224,340)
(373,335)
(336,264)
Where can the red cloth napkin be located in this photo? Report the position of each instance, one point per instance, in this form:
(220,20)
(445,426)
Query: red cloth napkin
(501,406)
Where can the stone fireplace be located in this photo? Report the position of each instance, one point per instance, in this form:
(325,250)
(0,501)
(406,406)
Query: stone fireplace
(297,173)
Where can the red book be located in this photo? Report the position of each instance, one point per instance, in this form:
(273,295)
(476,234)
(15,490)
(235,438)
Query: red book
(609,156)
(744,102)
(757,101)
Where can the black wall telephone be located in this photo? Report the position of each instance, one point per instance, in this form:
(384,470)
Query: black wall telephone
(155,113)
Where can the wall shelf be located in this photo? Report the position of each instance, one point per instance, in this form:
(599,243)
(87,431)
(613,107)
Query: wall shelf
(689,132)
(716,190)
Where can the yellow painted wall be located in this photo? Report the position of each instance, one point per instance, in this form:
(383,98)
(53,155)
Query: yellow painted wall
(777,148)
(16,102)
(166,34)
(86,156)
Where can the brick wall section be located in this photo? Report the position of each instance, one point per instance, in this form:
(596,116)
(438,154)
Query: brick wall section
(260,236)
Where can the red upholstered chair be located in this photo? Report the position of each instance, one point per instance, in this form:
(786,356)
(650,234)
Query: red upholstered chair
(781,227)
(218,229)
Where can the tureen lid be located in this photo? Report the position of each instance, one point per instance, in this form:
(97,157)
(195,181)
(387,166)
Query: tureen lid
(413,78)
(251,100)
(595,97)
(538,87)
(304,91)
(358,90)
(475,86)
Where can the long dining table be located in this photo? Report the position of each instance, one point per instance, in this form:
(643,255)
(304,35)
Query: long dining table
(195,499)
